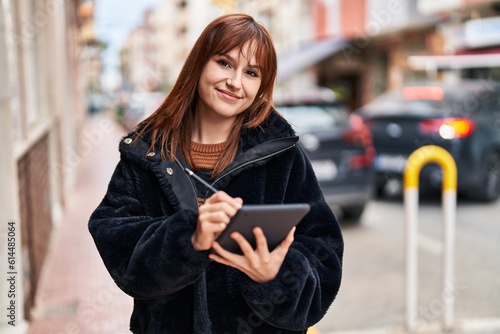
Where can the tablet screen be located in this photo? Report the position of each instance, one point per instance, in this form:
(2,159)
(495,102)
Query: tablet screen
(276,220)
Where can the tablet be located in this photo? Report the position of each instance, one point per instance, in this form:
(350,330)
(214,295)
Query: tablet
(276,220)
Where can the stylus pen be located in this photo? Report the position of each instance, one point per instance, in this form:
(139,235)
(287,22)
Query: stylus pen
(199,179)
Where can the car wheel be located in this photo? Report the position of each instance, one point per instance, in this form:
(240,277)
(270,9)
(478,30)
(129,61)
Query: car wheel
(490,185)
(380,182)
(353,213)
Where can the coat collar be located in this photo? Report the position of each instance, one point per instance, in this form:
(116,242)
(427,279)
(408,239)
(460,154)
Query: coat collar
(256,145)
(274,127)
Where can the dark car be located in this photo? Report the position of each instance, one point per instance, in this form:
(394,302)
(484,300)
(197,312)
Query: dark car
(338,145)
(463,118)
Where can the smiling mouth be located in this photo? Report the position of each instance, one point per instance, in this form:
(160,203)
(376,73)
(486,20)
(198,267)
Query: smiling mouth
(228,95)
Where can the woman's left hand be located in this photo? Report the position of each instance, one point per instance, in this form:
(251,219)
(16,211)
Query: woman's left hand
(259,264)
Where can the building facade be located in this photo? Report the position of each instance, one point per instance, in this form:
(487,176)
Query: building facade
(359,48)
(391,43)
(41,111)
(153,54)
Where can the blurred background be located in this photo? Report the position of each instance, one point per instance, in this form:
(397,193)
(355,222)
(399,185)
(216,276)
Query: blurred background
(77,75)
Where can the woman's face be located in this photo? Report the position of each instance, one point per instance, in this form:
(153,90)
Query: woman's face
(228,84)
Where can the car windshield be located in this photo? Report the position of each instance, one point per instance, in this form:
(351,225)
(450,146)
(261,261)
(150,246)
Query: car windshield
(308,118)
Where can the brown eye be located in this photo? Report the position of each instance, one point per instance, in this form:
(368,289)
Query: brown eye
(252,74)
(223,63)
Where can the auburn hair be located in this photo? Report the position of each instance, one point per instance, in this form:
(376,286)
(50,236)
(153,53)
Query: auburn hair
(171,125)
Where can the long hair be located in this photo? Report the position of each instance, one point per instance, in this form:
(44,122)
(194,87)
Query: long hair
(171,125)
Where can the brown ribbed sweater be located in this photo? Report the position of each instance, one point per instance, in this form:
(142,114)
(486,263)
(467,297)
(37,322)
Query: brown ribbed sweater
(205,157)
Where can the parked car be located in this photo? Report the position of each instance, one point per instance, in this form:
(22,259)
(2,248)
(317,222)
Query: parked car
(463,118)
(338,145)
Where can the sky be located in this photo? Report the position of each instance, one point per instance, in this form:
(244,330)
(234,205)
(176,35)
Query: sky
(113,21)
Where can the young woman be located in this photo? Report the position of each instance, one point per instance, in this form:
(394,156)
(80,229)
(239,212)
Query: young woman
(156,228)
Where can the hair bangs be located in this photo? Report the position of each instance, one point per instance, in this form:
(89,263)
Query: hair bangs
(225,39)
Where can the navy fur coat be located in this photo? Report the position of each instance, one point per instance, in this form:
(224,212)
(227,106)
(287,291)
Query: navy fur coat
(143,227)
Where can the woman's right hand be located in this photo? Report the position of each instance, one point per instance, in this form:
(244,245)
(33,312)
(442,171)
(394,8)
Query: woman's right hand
(213,217)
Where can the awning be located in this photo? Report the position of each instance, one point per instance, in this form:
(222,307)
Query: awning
(307,55)
(454,61)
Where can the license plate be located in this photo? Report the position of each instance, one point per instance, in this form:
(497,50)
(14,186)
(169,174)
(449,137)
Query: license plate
(390,163)
(326,170)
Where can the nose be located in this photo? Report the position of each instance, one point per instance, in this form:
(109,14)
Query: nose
(234,81)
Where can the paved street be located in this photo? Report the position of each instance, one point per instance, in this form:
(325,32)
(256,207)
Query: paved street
(372,293)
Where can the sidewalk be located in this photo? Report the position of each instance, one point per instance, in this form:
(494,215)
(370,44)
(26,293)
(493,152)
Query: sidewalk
(76,295)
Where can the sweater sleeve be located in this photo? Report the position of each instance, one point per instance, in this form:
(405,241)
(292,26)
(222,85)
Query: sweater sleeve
(309,278)
(148,257)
